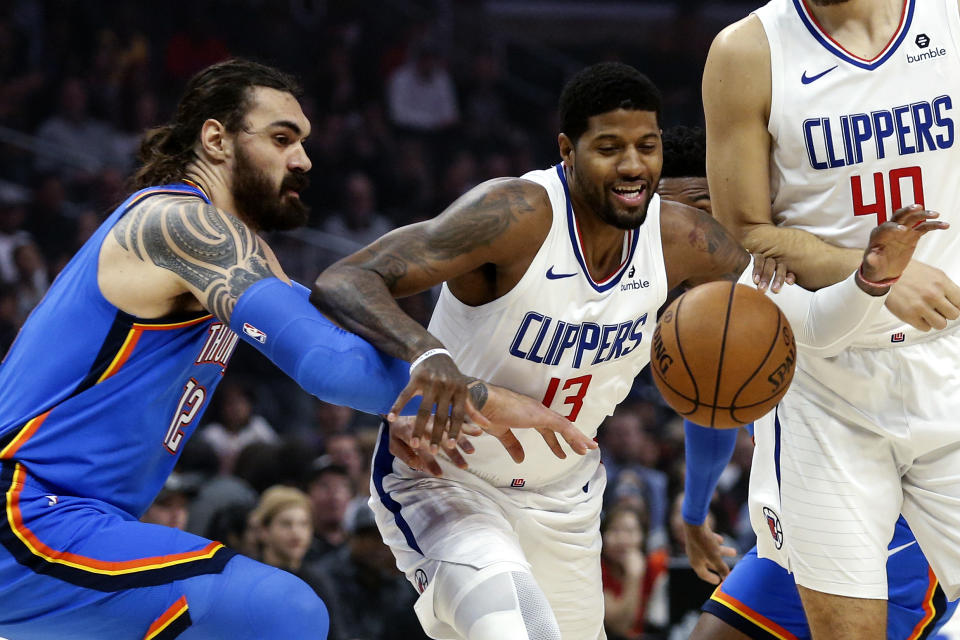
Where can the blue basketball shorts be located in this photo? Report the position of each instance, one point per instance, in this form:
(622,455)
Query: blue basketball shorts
(73,567)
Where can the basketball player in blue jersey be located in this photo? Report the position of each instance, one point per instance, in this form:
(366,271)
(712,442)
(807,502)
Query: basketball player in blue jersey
(113,369)
(551,283)
(824,117)
(759,598)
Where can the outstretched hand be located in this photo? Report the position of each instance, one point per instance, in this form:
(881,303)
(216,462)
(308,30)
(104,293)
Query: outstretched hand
(892,243)
(505,409)
(500,410)
(706,552)
(440,383)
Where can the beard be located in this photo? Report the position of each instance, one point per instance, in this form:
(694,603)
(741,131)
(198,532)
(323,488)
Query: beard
(260,202)
(827,3)
(598,200)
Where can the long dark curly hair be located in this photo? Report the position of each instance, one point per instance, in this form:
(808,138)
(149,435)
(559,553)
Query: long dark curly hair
(222,92)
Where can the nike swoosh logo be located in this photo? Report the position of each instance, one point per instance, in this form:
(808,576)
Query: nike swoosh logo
(805,79)
(900,548)
(556,276)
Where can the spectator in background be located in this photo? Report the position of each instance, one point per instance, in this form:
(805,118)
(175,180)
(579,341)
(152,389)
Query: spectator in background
(231,525)
(50,218)
(358,220)
(421,93)
(283,525)
(12,235)
(238,426)
(364,577)
(171,505)
(344,449)
(216,490)
(9,323)
(82,145)
(32,278)
(629,453)
(330,491)
(630,574)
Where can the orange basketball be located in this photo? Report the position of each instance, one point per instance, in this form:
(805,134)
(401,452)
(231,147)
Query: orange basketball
(723,355)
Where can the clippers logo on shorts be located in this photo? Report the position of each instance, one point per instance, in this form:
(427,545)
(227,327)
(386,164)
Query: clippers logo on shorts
(517,483)
(543,339)
(421,577)
(773,522)
(254,333)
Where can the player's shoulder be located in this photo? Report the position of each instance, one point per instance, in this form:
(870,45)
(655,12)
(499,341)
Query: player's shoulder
(678,219)
(517,200)
(742,42)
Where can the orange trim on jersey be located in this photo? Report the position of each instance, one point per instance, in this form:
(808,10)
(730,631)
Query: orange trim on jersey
(123,354)
(929,610)
(25,433)
(106,567)
(195,186)
(176,610)
(743,610)
(145,326)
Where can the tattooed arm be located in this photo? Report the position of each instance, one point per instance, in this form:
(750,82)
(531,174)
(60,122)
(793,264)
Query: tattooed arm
(480,245)
(697,249)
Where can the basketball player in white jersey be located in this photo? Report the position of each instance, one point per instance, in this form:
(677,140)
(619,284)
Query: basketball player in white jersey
(551,286)
(823,118)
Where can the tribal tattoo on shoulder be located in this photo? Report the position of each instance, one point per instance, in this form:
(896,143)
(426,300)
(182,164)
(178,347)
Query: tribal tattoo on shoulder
(211,250)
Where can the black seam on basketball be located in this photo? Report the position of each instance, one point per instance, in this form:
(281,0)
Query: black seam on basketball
(766,356)
(683,359)
(723,348)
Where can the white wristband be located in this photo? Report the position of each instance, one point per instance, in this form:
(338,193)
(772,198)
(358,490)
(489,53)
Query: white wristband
(426,354)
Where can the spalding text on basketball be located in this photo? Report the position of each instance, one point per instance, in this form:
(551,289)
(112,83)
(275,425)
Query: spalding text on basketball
(660,353)
(782,372)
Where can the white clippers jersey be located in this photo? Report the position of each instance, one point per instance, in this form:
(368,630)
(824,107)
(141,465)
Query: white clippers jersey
(560,337)
(856,139)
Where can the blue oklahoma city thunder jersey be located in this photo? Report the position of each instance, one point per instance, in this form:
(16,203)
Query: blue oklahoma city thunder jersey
(95,402)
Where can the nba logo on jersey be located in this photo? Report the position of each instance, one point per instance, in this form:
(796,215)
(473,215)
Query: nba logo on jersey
(773,522)
(254,333)
(518,483)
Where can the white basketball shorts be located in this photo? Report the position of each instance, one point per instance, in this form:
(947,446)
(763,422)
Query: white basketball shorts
(857,440)
(553,531)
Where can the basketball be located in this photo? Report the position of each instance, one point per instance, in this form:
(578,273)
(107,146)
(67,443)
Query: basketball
(723,355)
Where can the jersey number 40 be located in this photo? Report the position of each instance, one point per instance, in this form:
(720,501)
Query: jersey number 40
(895,180)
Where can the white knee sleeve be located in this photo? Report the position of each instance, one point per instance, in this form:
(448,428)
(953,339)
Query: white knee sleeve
(499,602)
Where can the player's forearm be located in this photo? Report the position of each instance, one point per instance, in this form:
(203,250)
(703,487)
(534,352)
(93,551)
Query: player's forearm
(707,452)
(328,362)
(816,263)
(359,300)
(825,322)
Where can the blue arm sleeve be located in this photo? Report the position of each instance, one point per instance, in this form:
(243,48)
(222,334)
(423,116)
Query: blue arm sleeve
(300,289)
(332,364)
(707,453)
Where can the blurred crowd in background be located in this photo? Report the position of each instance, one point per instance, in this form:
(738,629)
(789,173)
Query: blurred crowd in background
(412,103)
